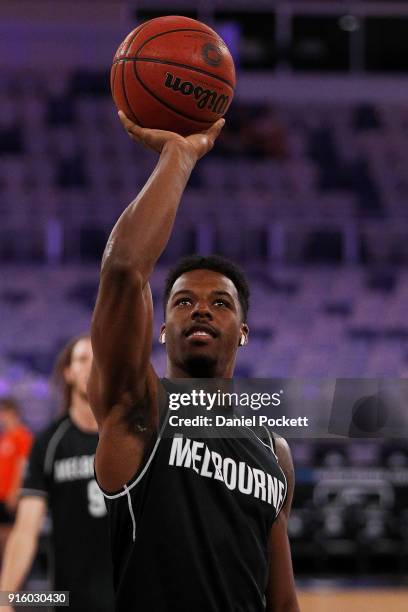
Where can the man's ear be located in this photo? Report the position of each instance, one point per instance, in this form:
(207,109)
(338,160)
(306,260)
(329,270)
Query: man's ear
(243,340)
(162,335)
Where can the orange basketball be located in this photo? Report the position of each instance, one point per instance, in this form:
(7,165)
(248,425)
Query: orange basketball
(173,73)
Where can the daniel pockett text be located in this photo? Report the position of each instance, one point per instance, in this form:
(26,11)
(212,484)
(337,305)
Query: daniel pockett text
(238,421)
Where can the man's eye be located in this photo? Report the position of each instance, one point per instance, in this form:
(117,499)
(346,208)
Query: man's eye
(183,301)
(222,302)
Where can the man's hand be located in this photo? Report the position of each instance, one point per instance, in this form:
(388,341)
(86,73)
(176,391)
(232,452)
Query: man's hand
(198,144)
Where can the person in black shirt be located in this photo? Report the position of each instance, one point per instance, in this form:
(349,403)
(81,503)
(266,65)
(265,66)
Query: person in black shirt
(197,523)
(60,478)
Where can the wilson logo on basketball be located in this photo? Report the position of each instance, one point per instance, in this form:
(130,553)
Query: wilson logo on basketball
(206,98)
(211,54)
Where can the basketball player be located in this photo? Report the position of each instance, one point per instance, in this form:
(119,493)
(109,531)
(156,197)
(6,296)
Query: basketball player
(194,525)
(15,444)
(60,478)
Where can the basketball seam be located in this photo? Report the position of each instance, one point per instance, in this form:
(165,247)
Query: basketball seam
(215,35)
(116,62)
(127,99)
(165,103)
(170,63)
(112,84)
(138,30)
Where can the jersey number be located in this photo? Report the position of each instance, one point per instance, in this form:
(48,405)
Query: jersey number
(96,502)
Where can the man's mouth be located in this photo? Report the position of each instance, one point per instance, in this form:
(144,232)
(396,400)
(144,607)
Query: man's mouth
(200,331)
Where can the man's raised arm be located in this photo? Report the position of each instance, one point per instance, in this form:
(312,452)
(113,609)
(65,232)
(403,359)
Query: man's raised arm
(122,380)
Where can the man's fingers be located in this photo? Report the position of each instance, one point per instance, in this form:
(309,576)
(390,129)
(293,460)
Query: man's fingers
(215,129)
(132,128)
(155,139)
(127,124)
(149,138)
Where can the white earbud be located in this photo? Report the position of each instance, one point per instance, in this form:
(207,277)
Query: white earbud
(242,340)
(162,338)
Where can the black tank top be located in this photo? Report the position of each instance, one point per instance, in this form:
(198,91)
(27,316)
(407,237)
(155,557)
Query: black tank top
(60,469)
(189,532)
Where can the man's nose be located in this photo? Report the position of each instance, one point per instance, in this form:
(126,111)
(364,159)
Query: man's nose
(201,311)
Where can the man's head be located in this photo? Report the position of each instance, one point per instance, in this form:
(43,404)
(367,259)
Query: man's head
(72,369)
(9,413)
(206,301)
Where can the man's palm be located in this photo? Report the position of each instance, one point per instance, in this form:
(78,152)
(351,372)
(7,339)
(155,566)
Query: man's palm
(200,144)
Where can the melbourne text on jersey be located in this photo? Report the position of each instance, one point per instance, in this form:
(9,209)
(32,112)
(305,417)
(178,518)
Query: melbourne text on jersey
(74,468)
(196,455)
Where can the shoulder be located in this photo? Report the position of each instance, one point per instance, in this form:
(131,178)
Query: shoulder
(62,423)
(40,464)
(285,461)
(53,433)
(23,438)
(22,433)
(280,449)
(284,455)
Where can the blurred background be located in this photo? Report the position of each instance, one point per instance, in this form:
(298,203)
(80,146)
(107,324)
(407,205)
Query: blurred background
(307,189)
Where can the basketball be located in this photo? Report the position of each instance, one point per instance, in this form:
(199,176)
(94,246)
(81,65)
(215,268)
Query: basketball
(173,73)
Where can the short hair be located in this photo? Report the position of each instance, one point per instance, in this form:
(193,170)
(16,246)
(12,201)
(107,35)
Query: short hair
(10,404)
(63,361)
(215,263)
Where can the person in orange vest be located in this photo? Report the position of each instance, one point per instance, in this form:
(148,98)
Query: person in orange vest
(15,445)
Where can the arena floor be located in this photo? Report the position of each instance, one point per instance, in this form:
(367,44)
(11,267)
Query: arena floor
(353,600)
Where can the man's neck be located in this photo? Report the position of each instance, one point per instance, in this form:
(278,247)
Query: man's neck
(81,414)
(175,371)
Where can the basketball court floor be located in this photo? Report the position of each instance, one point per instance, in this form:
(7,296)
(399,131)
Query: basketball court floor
(353,600)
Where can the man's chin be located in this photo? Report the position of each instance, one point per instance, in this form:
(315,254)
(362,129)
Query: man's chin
(200,365)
